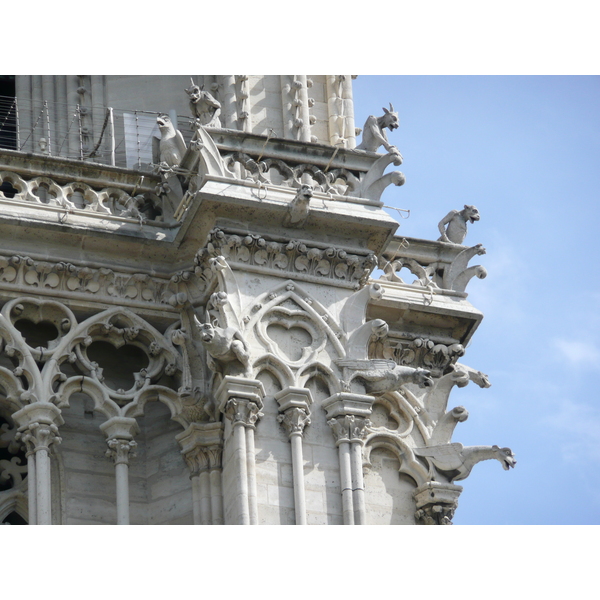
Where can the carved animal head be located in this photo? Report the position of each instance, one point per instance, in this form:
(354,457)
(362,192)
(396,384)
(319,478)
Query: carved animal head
(506,457)
(470,213)
(164,123)
(305,192)
(207,332)
(389,119)
(422,377)
(194,92)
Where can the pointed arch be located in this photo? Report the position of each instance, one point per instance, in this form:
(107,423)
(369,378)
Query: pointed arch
(282,373)
(14,500)
(409,465)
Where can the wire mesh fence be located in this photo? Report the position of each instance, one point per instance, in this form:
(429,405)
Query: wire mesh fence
(123,138)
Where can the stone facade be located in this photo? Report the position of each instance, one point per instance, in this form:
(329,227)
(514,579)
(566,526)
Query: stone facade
(190,327)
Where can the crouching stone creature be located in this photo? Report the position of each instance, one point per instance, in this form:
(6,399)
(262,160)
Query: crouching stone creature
(453,226)
(226,349)
(374,131)
(203,106)
(381,381)
(298,208)
(171,146)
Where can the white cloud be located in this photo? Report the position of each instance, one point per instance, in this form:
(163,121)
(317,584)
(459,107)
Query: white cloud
(578,353)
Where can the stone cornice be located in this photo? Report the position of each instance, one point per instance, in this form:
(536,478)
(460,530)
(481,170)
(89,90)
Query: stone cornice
(297,259)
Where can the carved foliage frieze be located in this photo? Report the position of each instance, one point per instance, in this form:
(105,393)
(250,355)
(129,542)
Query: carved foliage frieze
(288,257)
(67,279)
(418,352)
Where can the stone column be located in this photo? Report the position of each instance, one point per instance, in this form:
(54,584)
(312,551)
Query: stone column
(38,427)
(201,446)
(436,503)
(215,456)
(228,106)
(240,400)
(295,416)
(120,432)
(348,418)
(27,440)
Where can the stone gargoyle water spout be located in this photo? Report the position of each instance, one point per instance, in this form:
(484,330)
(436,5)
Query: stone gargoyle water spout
(456,461)
(390,378)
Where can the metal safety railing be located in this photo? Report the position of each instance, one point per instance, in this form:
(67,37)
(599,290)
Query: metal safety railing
(99,134)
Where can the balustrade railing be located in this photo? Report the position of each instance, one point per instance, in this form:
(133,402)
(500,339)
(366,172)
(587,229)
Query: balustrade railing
(99,134)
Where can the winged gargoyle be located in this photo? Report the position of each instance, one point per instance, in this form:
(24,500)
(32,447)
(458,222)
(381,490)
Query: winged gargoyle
(456,461)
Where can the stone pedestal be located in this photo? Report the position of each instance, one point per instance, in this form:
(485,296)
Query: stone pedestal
(436,503)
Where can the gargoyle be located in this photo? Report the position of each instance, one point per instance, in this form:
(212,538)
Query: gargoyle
(380,381)
(224,348)
(456,461)
(456,221)
(298,208)
(374,131)
(132,208)
(203,106)
(171,146)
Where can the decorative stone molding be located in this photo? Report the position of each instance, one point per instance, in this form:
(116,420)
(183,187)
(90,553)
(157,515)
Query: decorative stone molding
(254,252)
(61,279)
(417,353)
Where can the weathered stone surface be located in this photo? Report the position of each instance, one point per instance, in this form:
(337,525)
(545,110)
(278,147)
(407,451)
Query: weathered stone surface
(194,335)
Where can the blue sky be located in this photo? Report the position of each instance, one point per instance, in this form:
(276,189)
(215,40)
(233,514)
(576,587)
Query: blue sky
(525,151)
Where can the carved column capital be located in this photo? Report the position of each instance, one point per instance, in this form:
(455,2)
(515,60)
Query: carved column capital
(293,406)
(242,411)
(201,446)
(38,425)
(39,436)
(121,451)
(215,457)
(294,420)
(349,428)
(197,460)
(240,399)
(436,503)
